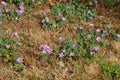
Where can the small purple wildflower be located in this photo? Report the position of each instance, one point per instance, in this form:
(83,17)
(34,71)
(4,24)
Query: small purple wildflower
(89,36)
(60,15)
(75,28)
(92,25)
(47,19)
(98,39)
(92,52)
(71,54)
(7,10)
(118,35)
(98,30)
(64,51)
(61,38)
(19,60)
(1,22)
(95,1)
(61,55)
(63,19)
(4,3)
(43,12)
(96,48)
(7,46)
(21,7)
(103,35)
(81,27)
(15,34)
(74,46)
(19,12)
(33,0)
(43,21)
(89,12)
(46,49)
(19,44)
(105,32)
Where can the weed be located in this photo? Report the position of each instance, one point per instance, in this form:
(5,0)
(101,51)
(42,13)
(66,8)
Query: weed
(62,14)
(8,47)
(111,71)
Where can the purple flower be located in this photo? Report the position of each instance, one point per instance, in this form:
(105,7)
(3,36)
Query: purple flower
(89,12)
(103,35)
(33,0)
(96,48)
(92,25)
(105,32)
(74,46)
(60,15)
(7,46)
(95,1)
(43,21)
(15,35)
(21,7)
(1,22)
(89,36)
(92,52)
(19,44)
(71,54)
(61,55)
(118,35)
(19,60)
(4,3)
(75,28)
(64,51)
(98,30)
(63,19)
(81,27)
(98,39)
(43,12)
(19,12)
(61,38)
(7,10)
(47,19)
(46,49)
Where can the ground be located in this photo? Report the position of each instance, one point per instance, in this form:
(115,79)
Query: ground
(36,68)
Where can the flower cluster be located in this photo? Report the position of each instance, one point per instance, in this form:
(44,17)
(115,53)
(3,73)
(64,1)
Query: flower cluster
(118,35)
(8,46)
(14,35)
(19,60)
(62,54)
(46,49)
(94,50)
(20,10)
(61,38)
(45,20)
(4,3)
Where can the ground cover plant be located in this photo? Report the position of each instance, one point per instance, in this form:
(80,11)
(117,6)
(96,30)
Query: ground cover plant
(59,40)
